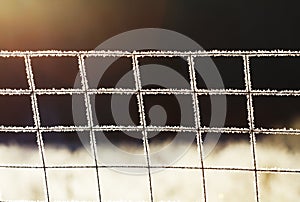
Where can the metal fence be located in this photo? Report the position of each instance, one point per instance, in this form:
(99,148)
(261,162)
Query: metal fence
(139,92)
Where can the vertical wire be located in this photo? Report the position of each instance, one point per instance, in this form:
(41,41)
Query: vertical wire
(138,86)
(37,122)
(89,116)
(197,119)
(250,110)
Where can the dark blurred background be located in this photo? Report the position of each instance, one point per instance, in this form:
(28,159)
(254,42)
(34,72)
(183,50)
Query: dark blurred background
(214,24)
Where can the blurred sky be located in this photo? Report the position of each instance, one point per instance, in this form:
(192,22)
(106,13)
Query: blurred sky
(214,24)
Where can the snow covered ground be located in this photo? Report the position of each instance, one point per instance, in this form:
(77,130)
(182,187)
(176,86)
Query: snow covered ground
(168,184)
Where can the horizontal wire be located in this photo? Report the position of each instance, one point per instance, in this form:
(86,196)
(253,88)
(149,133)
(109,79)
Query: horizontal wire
(118,53)
(269,131)
(265,170)
(121,91)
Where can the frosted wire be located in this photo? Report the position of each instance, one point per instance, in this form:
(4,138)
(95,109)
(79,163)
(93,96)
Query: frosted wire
(36,118)
(197,120)
(139,92)
(250,113)
(138,86)
(89,116)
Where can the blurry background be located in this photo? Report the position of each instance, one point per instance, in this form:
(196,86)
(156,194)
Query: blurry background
(81,25)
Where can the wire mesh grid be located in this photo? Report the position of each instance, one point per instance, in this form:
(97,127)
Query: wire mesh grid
(143,127)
